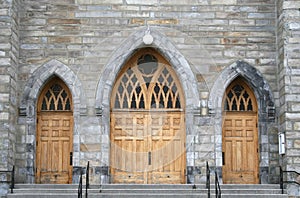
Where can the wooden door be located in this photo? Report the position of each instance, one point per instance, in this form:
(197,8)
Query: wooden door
(167,148)
(54,140)
(240,136)
(147,148)
(147,123)
(129,157)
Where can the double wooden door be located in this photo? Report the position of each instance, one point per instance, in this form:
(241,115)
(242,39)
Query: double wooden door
(147,148)
(147,122)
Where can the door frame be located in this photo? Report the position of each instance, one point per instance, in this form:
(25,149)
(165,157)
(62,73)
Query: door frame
(28,109)
(40,112)
(266,113)
(227,111)
(172,73)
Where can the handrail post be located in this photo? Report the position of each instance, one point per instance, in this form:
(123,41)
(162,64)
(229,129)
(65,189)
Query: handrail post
(281,180)
(12,186)
(208,180)
(87,183)
(80,185)
(216,185)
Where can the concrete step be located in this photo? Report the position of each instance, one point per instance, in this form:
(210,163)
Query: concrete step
(148,186)
(147,191)
(129,195)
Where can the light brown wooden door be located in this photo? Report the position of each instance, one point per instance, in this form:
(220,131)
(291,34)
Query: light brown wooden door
(167,148)
(147,148)
(54,140)
(129,157)
(147,123)
(240,136)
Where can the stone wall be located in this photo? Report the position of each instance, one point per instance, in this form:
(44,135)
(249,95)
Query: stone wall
(289,76)
(92,39)
(9,46)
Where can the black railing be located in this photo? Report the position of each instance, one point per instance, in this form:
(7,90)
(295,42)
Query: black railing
(12,179)
(287,181)
(80,185)
(87,179)
(217,186)
(208,179)
(87,182)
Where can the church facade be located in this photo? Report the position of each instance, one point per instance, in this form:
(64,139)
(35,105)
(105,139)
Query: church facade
(150,91)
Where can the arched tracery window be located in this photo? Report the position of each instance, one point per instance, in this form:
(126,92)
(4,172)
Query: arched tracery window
(239,97)
(147,83)
(55,97)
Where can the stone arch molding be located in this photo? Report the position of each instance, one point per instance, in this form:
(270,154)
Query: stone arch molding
(28,105)
(119,57)
(252,76)
(263,94)
(41,75)
(164,46)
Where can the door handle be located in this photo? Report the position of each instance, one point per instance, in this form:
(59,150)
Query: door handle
(149,158)
(71,158)
(223,158)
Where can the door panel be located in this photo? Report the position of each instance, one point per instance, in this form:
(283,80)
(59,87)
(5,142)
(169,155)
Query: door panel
(129,159)
(149,149)
(167,139)
(54,144)
(240,148)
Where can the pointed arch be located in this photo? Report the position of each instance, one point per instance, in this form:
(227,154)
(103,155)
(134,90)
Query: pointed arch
(55,97)
(165,47)
(168,50)
(147,84)
(251,75)
(239,97)
(265,105)
(28,105)
(147,115)
(54,134)
(239,134)
(42,74)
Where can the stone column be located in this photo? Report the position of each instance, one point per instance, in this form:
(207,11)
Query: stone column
(8,88)
(289,85)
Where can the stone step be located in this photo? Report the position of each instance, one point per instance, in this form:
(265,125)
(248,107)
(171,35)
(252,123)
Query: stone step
(148,186)
(129,195)
(147,191)
(189,186)
(46,186)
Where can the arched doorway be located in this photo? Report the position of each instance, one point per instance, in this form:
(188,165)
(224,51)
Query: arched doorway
(54,140)
(240,135)
(147,122)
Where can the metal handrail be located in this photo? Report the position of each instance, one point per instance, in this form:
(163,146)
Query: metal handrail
(12,180)
(80,185)
(217,186)
(288,182)
(208,180)
(87,179)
